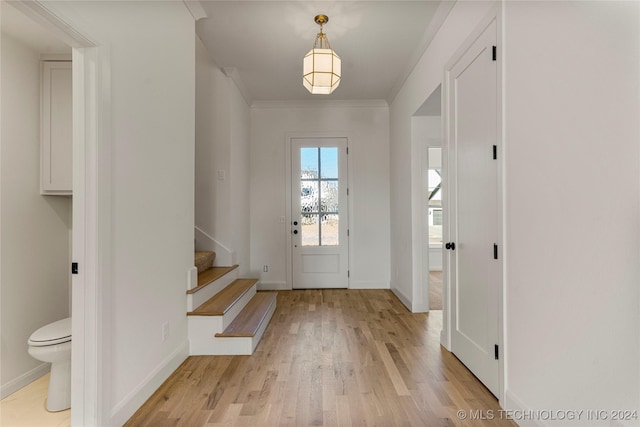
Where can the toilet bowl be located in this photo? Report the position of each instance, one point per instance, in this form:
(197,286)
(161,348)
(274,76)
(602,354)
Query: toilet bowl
(52,343)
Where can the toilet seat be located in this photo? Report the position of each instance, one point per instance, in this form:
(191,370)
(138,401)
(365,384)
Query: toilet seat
(52,334)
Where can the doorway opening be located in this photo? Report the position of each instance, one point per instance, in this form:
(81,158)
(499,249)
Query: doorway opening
(435,215)
(429,192)
(90,210)
(36,210)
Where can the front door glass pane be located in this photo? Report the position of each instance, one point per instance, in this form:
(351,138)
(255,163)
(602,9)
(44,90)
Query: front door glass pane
(319,201)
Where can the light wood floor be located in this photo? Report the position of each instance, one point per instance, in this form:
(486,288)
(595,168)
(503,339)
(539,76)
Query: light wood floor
(435,290)
(328,358)
(25,408)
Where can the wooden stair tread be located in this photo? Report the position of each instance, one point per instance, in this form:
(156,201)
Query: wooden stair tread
(221,302)
(210,275)
(248,321)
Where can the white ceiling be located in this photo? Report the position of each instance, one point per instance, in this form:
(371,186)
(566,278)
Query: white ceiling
(16,25)
(265,41)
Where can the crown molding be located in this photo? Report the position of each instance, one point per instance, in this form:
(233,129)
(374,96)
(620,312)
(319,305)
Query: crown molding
(324,103)
(439,17)
(196,9)
(234,75)
(44,15)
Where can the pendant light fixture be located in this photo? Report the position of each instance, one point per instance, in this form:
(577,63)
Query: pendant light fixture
(321,66)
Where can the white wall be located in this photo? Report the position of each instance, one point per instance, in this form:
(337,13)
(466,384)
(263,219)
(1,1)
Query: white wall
(367,125)
(222,146)
(34,229)
(405,188)
(573,205)
(151,64)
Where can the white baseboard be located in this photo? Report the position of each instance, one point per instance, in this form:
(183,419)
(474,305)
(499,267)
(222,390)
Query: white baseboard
(130,404)
(364,284)
(513,403)
(420,307)
(402,298)
(24,380)
(273,286)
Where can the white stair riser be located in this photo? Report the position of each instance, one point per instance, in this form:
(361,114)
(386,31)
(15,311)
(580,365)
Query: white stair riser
(206,344)
(195,300)
(222,347)
(204,327)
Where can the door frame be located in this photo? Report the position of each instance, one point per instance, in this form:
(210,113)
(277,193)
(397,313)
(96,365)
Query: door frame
(496,14)
(288,200)
(91,245)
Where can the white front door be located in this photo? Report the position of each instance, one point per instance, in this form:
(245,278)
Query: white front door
(474,268)
(320,243)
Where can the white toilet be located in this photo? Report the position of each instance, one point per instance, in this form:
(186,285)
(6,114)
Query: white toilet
(52,343)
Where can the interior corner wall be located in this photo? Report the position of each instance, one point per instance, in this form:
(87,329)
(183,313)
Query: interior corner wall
(34,229)
(239,205)
(572,153)
(463,18)
(222,161)
(367,125)
(151,67)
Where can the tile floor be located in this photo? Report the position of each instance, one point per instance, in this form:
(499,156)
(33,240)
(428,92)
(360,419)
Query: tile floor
(25,408)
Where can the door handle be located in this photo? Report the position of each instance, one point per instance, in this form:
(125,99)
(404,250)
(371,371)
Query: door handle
(450,245)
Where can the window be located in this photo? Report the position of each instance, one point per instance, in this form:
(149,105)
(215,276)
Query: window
(319,196)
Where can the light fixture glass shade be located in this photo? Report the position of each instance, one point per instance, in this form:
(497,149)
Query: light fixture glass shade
(321,71)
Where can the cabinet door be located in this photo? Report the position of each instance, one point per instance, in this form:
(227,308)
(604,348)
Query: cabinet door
(56,129)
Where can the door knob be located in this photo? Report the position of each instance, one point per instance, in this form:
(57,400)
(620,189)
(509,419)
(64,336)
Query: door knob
(450,245)
(295,231)
(295,222)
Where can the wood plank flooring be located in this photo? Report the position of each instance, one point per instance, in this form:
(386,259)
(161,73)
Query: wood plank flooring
(328,358)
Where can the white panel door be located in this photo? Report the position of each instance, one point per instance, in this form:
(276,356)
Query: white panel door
(320,243)
(474,271)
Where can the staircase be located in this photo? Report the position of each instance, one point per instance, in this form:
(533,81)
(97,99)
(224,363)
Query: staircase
(225,314)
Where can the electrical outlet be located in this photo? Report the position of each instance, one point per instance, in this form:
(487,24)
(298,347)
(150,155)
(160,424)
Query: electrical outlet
(265,269)
(165,331)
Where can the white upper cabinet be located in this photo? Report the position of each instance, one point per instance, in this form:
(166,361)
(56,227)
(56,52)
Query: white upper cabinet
(56,129)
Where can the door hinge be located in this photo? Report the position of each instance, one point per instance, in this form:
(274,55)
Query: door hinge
(347,150)
(494,53)
(348,232)
(74,268)
(347,191)
(495,251)
(348,273)
(496,352)
(495,152)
